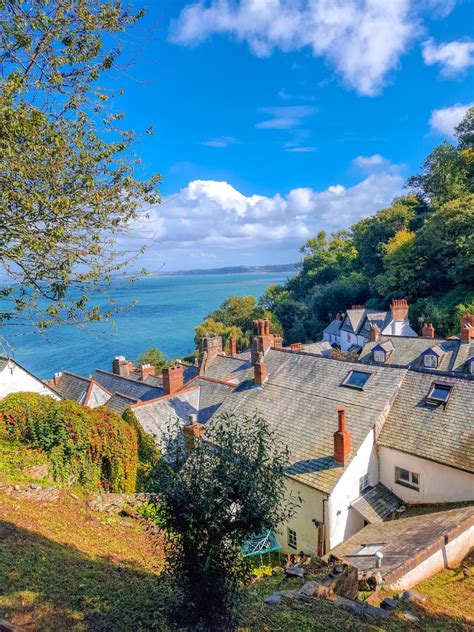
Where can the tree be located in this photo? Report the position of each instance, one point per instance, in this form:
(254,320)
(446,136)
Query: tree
(66,193)
(152,356)
(237,311)
(210,326)
(230,487)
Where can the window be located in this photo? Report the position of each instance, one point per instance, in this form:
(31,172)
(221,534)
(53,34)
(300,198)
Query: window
(370,549)
(379,355)
(348,337)
(430,361)
(368,326)
(407,479)
(363,482)
(356,379)
(470,366)
(292,541)
(439,393)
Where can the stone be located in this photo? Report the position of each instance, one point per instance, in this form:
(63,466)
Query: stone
(273,600)
(412,596)
(35,487)
(294,571)
(410,617)
(388,604)
(37,471)
(309,589)
(361,609)
(339,568)
(17,488)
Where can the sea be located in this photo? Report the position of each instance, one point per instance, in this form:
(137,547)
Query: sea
(167,310)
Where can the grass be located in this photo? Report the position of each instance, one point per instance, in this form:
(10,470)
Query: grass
(15,458)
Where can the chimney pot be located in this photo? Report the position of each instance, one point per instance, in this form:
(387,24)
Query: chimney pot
(192,419)
(374,333)
(342,438)
(277,342)
(427,331)
(122,367)
(399,308)
(57,378)
(467,328)
(232,346)
(147,369)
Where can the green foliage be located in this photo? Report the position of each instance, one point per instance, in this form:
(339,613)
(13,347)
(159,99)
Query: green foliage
(90,447)
(229,487)
(148,452)
(152,356)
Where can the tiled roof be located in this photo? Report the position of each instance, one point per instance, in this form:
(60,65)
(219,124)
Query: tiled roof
(444,434)
(299,403)
(465,352)
(132,388)
(353,320)
(72,386)
(322,348)
(377,504)
(3,362)
(211,396)
(405,543)
(119,403)
(333,327)
(408,351)
(226,367)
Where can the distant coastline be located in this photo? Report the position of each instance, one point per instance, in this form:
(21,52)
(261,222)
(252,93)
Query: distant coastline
(285,267)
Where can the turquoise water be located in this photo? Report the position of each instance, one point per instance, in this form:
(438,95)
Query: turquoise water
(168,310)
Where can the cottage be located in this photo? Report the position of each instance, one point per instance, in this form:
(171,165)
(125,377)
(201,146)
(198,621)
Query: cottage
(14,378)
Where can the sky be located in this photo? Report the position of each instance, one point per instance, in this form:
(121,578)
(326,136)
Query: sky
(274,119)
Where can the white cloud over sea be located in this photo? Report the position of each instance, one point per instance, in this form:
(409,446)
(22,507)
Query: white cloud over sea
(210,223)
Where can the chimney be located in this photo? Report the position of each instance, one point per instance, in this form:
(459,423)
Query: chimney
(260,371)
(263,340)
(338,316)
(57,377)
(342,439)
(374,333)
(277,342)
(147,369)
(172,379)
(232,346)
(467,328)
(358,307)
(399,309)
(192,431)
(296,346)
(427,331)
(212,345)
(121,367)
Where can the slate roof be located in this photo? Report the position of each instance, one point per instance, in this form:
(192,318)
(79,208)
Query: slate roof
(227,367)
(333,327)
(211,396)
(322,348)
(377,504)
(3,362)
(353,320)
(127,386)
(465,352)
(405,543)
(408,351)
(72,386)
(119,403)
(444,434)
(299,403)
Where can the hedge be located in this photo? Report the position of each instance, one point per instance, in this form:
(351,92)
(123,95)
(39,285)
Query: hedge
(91,447)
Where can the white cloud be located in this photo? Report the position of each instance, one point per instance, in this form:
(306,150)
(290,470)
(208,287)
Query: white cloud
(301,150)
(445,120)
(220,142)
(362,39)
(285,117)
(214,217)
(453,57)
(369,162)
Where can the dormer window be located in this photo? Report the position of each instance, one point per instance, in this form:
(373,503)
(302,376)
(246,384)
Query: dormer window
(379,355)
(470,365)
(430,360)
(439,393)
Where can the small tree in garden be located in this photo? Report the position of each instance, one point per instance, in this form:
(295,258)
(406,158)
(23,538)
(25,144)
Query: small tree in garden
(154,357)
(227,488)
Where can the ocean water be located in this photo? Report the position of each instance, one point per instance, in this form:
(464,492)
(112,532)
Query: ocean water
(167,311)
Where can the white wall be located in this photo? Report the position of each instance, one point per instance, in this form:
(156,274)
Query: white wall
(14,379)
(302,523)
(438,483)
(343,521)
(449,555)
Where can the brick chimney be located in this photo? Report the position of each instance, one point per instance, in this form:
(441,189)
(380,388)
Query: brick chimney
(358,307)
(260,371)
(147,369)
(192,431)
(338,316)
(399,309)
(467,328)
(210,347)
(263,340)
(121,367)
(277,342)
(428,331)
(173,379)
(296,346)
(342,439)
(374,333)
(232,346)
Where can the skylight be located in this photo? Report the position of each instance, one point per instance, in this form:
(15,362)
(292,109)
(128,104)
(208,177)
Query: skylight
(370,549)
(356,379)
(439,393)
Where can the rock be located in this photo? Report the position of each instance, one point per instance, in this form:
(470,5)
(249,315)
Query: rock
(273,600)
(294,571)
(17,488)
(410,617)
(309,589)
(412,596)
(388,604)
(37,471)
(339,568)
(361,609)
(35,487)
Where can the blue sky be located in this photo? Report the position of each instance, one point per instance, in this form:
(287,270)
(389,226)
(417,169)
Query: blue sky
(277,118)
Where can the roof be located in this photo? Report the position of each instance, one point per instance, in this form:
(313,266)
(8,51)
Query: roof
(3,362)
(353,320)
(441,433)
(72,386)
(333,327)
(211,395)
(126,386)
(405,543)
(119,403)
(323,348)
(407,351)
(227,367)
(376,504)
(299,403)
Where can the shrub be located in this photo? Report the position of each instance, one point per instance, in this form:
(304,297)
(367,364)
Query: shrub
(148,452)
(90,447)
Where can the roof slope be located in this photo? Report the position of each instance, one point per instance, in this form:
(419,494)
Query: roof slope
(227,367)
(72,386)
(299,403)
(407,351)
(377,503)
(444,434)
(132,388)
(405,542)
(119,403)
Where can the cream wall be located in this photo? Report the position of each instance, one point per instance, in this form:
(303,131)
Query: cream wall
(311,508)
(438,483)
(14,379)
(342,520)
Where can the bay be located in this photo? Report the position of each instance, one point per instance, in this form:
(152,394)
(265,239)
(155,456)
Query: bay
(167,311)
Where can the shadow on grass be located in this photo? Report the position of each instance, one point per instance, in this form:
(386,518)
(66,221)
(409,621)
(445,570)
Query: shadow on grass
(45,585)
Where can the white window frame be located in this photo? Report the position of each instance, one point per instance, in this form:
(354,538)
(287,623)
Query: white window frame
(363,482)
(292,538)
(430,361)
(379,355)
(410,480)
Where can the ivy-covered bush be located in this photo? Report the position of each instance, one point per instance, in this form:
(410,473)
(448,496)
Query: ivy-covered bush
(148,452)
(91,447)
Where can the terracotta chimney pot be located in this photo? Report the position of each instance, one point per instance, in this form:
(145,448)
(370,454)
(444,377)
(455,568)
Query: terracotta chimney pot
(399,308)
(232,346)
(428,331)
(374,333)
(467,328)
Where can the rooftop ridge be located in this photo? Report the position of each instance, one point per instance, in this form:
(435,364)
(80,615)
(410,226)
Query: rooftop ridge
(122,377)
(79,377)
(140,404)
